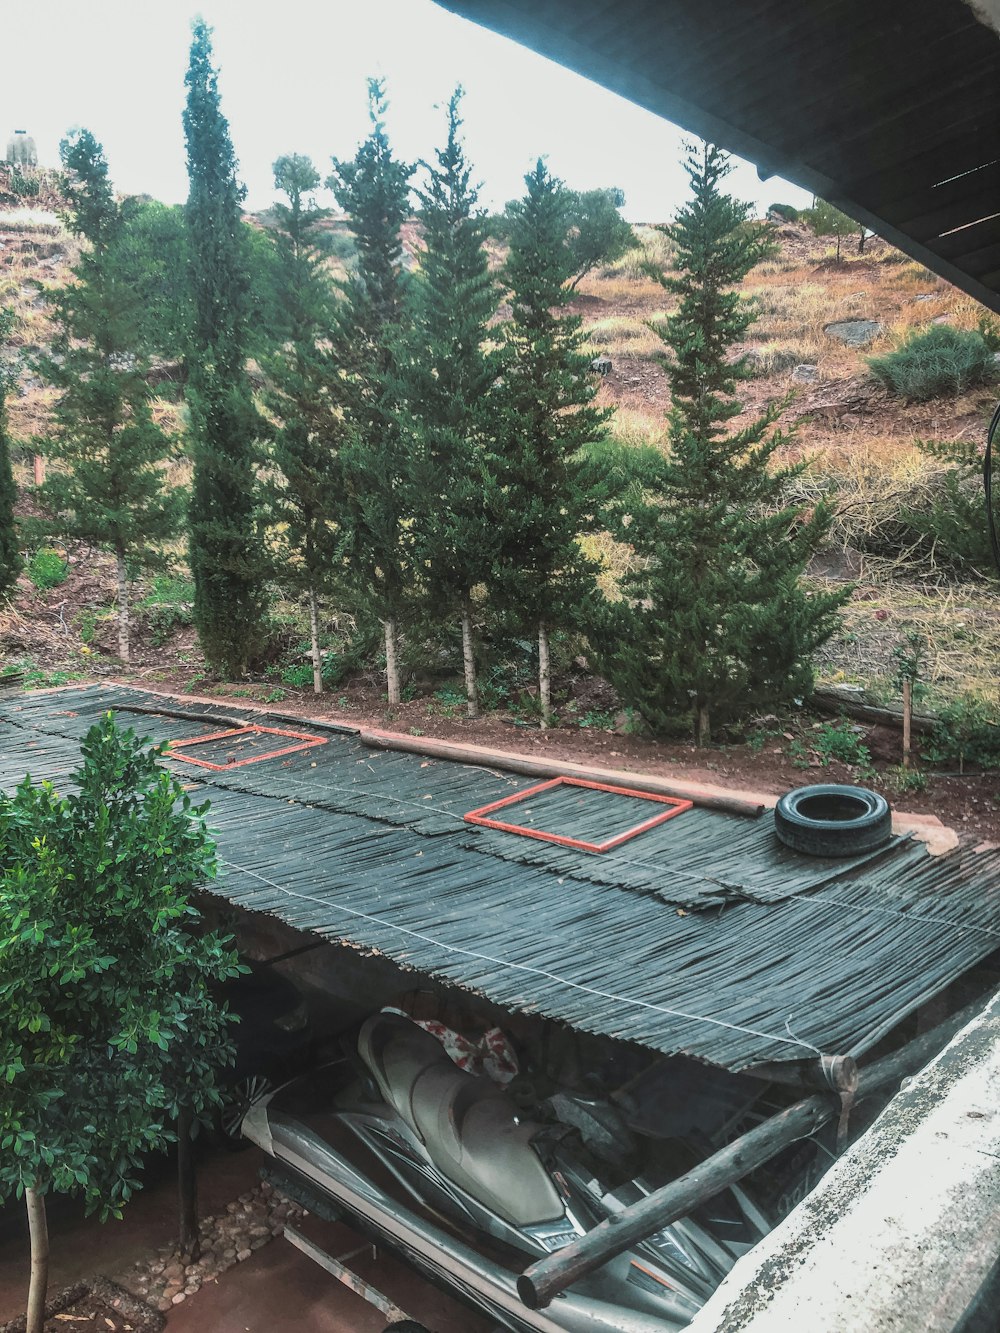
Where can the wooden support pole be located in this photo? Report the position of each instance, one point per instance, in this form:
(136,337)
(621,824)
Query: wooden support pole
(543,1281)
(540,1283)
(907,719)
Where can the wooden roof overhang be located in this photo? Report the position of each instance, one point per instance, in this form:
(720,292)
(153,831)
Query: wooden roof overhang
(889,109)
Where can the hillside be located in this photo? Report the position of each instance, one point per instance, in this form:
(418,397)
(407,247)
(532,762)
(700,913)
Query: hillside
(861,441)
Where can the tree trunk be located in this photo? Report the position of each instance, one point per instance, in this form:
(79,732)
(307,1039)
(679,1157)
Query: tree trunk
(391,665)
(469,660)
(38,1230)
(314,637)
(187,1189)
(121,574)
(703,726)
(544,675)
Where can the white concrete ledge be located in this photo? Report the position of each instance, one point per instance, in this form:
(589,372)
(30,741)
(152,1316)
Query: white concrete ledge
(901,1233)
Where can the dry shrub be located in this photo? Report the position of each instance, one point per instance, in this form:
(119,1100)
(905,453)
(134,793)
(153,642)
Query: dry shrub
(622,335)
(959,624)
(654,251)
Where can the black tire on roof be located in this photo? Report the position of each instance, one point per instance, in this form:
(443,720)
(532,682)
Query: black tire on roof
(831,819)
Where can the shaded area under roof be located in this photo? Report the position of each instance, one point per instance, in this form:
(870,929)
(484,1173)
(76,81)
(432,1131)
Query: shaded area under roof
(888,109)
(368,849)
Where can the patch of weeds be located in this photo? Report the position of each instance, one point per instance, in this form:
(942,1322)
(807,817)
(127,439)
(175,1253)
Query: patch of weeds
(907,779)
(415,731)
(344,702)
(168,606)
(195,682)
(37,678)
(47,569)
(89,620)
(298,675)
(449,700)
(597,720)
(842,741)
(277,695)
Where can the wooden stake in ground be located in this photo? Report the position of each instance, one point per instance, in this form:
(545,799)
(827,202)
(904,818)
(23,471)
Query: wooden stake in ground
(907,718)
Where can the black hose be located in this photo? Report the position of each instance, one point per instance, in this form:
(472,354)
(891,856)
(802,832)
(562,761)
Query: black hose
(991,522)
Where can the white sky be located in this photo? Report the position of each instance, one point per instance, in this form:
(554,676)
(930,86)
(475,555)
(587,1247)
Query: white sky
(293,80)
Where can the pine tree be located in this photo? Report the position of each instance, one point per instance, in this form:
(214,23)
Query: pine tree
(716,620)
(544,423)
(373,189)
(445,377)
(110,486)
(225,549)
(305,497)
(10,556)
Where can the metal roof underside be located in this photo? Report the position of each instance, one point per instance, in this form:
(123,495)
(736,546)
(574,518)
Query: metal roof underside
(703,936)
(889,109)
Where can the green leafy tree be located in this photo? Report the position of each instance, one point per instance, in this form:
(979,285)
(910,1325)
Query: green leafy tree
(305,496)
(598,232)
(543,423)
(226,554)
(109,487)
(825,220)
(11,563)
(373,188)
(108,1025)
(445,376)
(715,620)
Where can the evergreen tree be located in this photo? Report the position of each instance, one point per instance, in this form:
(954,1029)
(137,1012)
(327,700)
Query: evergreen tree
(716,620)
(225,549)
(373,189)
(10,556)
(544,423)
(304,499)
(111,489)
(445,380)
(598,232)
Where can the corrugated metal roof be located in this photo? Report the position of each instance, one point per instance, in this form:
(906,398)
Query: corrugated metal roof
(749,955)
(889,109)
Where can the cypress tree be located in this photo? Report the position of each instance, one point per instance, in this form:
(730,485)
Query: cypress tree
(445,378)
(10,557)
(111,489)
(716,620)
(225,549)
(544,423)
(373,189)
(304,497)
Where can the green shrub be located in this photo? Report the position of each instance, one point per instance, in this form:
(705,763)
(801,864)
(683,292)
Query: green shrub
(967,732)
(785,211)
(47,569)
(948,527)
(935,361)
(298,674)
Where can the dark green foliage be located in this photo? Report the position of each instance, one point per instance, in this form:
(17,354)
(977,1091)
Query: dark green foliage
(785,211)
(715,621)
(304,498)
(225,550)
(109,488)
(935,361)
(373,189)
(107,1020)
(543,423)
(47,569)
(598,233)
(11,563)
(445,376)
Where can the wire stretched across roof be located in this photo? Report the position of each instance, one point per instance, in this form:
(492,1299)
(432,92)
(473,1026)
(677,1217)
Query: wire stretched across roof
(339,841)
(890,109)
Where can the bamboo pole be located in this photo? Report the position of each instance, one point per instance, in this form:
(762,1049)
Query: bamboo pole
(907,719)
(483,757)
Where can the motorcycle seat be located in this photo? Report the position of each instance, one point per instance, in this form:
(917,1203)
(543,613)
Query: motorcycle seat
(469,1126)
